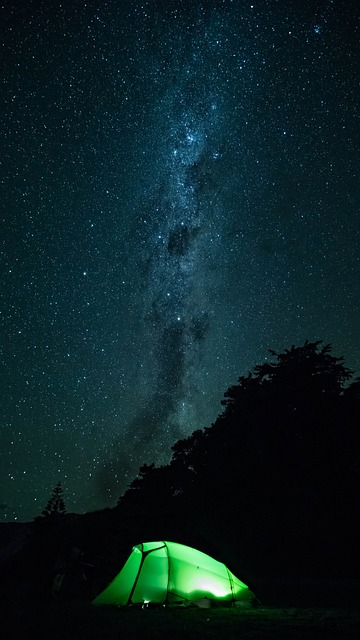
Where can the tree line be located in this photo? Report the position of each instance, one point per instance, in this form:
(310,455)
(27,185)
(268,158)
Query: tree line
(275,480)
(270,488)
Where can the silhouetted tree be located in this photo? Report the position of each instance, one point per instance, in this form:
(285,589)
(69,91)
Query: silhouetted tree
(280,463)
(56,504)
(299,375)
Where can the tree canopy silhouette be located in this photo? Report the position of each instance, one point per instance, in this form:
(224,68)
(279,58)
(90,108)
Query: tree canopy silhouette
(281,463)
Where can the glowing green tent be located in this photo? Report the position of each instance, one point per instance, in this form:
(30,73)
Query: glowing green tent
(168,572)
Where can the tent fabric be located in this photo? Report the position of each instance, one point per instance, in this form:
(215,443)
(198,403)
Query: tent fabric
(169,572)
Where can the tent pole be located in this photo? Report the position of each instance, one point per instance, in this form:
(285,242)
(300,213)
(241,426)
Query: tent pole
(168,577)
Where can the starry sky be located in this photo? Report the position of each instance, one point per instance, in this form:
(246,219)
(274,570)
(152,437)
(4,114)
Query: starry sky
(179,194)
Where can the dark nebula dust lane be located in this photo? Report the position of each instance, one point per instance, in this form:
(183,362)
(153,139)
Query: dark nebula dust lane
(179,194)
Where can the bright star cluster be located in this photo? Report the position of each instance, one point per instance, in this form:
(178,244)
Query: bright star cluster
(179,193)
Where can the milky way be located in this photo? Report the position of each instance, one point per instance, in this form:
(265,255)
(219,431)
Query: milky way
(179,195)
(179,232)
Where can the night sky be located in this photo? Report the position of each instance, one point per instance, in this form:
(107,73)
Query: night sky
(179,194)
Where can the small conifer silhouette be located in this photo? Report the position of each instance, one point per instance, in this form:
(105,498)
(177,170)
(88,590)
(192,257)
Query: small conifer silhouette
(56,504)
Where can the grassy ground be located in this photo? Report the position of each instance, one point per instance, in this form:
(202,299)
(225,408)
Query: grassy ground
(72,621)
